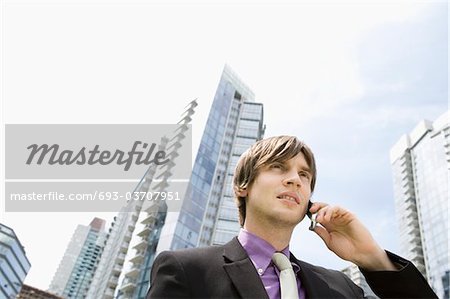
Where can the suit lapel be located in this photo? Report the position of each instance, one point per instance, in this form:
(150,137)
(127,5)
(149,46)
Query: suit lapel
(243,275)
(314,284)
(241,271)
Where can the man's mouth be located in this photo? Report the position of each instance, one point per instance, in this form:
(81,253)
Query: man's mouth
(290,197)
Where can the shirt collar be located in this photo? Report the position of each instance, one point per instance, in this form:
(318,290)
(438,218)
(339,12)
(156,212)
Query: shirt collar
(260,251)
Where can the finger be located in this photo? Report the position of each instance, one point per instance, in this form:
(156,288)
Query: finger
(320,217)
(333,213)
(329,213)
(323,234)
(334,217)
(316,206)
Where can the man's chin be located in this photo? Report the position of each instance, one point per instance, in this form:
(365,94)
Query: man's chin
(293,220)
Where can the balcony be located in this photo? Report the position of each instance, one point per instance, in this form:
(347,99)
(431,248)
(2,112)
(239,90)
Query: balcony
(416,249)
(142,245)
(109,294)
(410,213)
(153,208)
(410,204)
(415,239)
(412,230)
(128,285)
(133,273)
(112,283)
(137,207)
(145,232)
(124,247)
(149,219)
(117,270)
(128,236)
(412,221)
(120,258)
(134,217)
(138,258)
(418,258)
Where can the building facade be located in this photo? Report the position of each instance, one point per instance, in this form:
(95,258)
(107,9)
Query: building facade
(421,167)
(14,264)
(77,267)
(208,214)
(106,278)
(161,180)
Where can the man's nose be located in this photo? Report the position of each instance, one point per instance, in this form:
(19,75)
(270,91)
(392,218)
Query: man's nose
(293,178)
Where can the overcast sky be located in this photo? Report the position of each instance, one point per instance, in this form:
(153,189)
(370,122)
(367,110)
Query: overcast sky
(347,77)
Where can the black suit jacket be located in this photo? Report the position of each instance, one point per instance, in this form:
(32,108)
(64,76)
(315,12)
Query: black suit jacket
(227,272)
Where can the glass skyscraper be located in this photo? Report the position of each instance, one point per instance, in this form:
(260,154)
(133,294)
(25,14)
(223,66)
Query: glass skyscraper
(76,270)
(14,264)
(209,215)
(420,164)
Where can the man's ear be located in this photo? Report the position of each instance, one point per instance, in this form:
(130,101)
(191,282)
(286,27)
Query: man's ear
(241,192)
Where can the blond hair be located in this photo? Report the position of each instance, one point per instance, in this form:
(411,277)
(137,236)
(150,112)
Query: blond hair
(266,152)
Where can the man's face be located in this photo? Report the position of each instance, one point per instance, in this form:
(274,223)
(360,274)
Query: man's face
(280,193)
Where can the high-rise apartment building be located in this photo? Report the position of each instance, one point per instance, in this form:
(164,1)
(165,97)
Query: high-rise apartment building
(113,279)
(358,278)
(14,264)
(169,180)
(110,265)
(77,267)
(420,164)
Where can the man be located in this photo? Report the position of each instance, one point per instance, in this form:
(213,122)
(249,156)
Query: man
(273,182)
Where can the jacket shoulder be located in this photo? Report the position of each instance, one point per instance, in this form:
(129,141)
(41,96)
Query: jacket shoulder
(193,260)
(190,273)
(338,284)
(188,254)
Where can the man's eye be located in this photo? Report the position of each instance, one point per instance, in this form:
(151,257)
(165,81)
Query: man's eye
(304,174)
(276,166)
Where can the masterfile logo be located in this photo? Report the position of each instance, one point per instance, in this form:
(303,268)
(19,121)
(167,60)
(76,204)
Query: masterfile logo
(91,157)
(68,167)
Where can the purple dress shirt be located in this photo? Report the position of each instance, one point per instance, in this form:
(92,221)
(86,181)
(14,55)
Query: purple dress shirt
(260,253)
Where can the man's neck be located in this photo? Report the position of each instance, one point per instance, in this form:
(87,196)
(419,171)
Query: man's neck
(278,237)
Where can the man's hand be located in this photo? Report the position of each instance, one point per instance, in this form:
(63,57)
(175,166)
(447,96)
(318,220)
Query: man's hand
(348,238)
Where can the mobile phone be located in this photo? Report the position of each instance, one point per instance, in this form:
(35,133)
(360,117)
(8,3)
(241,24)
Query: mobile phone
(311,216)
